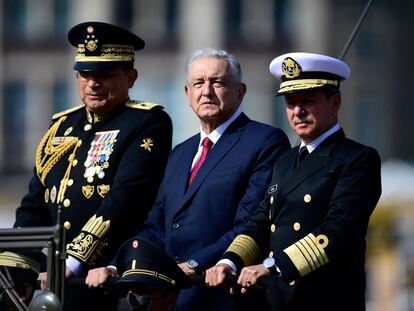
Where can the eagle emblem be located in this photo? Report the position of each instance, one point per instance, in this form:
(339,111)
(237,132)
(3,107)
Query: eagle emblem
(291,68)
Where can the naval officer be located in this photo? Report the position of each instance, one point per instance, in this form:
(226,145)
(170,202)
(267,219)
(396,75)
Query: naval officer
(308,235)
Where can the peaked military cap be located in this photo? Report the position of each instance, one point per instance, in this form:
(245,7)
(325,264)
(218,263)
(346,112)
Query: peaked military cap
(15,260)
(300,72)
(103,47)
(142,263)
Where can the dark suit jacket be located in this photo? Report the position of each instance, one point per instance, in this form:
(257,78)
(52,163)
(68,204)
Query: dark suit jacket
(201,221)
(313,221)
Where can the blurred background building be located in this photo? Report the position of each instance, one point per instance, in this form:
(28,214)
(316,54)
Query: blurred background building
(37,80)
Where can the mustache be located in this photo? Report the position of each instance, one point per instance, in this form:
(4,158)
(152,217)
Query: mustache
(94,94)
(298,120)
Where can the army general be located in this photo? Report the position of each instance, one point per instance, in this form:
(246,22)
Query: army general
(103,160)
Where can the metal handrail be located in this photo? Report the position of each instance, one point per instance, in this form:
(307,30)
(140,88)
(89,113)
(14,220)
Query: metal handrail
(51,237)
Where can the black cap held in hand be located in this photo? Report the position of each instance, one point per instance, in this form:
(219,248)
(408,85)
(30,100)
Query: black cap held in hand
(140,263)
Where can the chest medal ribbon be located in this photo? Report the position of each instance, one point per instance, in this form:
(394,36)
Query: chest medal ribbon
(98,155)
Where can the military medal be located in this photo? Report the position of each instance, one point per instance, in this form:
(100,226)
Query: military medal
(98,155)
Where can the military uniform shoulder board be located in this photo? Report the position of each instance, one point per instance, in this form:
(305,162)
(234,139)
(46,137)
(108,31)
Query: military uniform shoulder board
(65,112)
(137,104)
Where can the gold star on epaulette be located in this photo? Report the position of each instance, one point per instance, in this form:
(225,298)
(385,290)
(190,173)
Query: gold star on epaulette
(148,143)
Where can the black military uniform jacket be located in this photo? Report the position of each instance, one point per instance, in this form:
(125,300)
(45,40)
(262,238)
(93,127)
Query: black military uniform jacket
(104,170)
(313,221)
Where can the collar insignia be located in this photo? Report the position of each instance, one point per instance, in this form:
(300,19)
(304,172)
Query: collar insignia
(148,143)
(272,189)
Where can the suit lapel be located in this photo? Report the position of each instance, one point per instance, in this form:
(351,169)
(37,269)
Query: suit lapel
(186,158)
(320,157)
(229,138)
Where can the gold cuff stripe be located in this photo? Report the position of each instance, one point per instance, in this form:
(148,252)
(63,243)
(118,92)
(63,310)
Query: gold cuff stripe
(84,245)
(246,247)
(149,273)
(308,254)
(312,252)
(320,255)
(97,226)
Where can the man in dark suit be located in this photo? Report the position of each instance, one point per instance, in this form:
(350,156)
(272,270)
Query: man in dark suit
(102,161)
(197,215)
(311,225)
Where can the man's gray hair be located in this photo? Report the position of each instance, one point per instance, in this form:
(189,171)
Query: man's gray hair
(234,64)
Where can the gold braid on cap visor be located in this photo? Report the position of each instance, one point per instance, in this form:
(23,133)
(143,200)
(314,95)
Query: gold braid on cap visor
(109,53)
(304,84)
(14,260)
(151,273)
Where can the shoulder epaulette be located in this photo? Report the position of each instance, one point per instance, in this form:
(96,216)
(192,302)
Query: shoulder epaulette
(65,112)
(138,104)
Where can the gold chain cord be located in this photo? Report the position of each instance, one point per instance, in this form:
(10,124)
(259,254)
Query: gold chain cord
(48,155)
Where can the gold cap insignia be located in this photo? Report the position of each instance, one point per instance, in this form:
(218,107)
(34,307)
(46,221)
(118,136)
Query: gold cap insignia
(148,143)
(291,68)
(91,41)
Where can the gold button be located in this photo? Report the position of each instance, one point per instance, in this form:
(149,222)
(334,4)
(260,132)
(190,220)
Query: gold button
(87,127)
(272,199)
(296,226)
(79,142)
(70,182)
(47,195)
(271,254)
(307,198)
(292,283)
(66,203)
(67,225)
(273,228)
(74,162)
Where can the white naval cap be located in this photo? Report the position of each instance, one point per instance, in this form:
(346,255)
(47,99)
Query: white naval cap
(307,71)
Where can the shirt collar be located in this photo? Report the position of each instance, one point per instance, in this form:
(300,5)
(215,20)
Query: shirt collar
(315,143)
(215,135)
